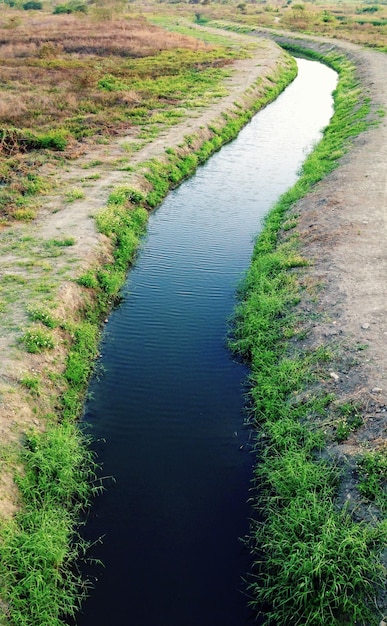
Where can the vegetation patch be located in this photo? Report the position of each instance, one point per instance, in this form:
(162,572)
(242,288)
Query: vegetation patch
(68,79)
(40,545)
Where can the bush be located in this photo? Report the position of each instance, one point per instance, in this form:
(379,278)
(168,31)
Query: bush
(32,5)
(70,7)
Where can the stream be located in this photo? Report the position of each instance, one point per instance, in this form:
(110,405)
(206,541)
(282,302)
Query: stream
(167,412)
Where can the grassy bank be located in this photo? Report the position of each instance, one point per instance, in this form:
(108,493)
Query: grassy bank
(40,546)
(314,563)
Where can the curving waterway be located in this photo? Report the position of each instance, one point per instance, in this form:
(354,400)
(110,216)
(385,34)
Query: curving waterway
(168,411)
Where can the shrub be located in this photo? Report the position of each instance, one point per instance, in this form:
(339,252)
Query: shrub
(32,5)
(70,7)
(37,340)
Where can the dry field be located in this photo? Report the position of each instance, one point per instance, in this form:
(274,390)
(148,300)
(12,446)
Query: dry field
(364,23)
(70,81)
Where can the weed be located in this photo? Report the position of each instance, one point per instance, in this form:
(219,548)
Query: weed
(39,314)
(93,163)
(88,279)
(37,340)
(24,215)
(74,194)
(60,243)
(350,420)
(92,177)
(290,223)
(373,478)
(40,545)
(32,383)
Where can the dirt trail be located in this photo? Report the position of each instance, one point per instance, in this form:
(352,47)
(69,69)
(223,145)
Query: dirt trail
(343,227)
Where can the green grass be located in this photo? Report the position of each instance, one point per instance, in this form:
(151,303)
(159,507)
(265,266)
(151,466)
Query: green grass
(74,194)
(372,470)
(40,314)
(32,383)
(40,545)
(313,564)
(233,47)
(60,243)
(37,340)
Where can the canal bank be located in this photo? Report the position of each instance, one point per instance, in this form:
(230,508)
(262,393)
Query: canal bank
(365,322)
(44,388)
(169,409)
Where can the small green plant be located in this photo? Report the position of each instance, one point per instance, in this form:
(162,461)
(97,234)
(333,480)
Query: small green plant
(93,163)
(74,194)
(350,420)
(373,477)
(290,223)
(88,279)
(32,383)
(39,314)
(24,214)
(60,243)
(37,340)
(56,139)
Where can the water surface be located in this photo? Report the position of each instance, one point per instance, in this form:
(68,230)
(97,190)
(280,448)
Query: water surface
(169,410)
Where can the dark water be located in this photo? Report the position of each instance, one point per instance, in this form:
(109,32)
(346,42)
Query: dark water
(169,410)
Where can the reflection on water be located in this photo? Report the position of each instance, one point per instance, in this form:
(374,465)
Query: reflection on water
(168,412)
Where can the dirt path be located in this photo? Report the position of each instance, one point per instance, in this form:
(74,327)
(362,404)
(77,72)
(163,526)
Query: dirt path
(343,225)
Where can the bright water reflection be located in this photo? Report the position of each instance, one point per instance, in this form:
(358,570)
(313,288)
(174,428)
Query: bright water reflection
(170,405)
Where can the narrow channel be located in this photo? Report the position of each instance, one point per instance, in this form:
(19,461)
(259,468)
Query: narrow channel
(168,411)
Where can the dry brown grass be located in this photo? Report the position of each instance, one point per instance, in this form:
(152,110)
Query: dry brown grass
(52,35)
(356,21)
(83,78)
(48,63)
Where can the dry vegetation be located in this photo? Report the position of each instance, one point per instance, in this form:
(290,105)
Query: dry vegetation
(360,22)
(50,67)
(70,80)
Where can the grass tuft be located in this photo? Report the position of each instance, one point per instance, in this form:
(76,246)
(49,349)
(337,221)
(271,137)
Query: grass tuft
(37,340)
(40,545)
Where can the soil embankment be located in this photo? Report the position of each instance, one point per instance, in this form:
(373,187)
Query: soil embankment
(343,228)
